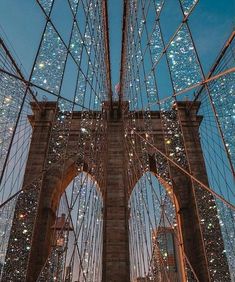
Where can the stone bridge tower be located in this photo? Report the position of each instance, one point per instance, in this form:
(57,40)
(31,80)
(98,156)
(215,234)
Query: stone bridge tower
(48,185)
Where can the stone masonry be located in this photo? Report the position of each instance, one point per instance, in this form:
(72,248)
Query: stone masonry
(54,181)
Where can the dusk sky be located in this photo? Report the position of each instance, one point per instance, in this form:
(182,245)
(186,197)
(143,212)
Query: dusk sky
(158,153)
(211,22)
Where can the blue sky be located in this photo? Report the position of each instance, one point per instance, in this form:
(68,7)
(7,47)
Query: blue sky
(23,21)
(211,22)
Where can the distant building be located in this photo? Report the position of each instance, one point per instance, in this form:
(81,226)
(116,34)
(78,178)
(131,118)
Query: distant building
(6,215)
(165,260)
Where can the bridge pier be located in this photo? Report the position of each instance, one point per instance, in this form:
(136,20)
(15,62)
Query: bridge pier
(116,245)
(27,253)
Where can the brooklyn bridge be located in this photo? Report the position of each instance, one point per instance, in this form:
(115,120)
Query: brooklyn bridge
(117,141)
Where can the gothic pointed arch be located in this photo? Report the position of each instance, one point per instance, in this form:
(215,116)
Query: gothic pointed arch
(155,243)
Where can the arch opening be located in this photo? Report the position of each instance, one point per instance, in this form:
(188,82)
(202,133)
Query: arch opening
(155,243)
(77,230)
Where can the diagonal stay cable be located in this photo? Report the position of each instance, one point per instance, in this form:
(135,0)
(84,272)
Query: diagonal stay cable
(187,173)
